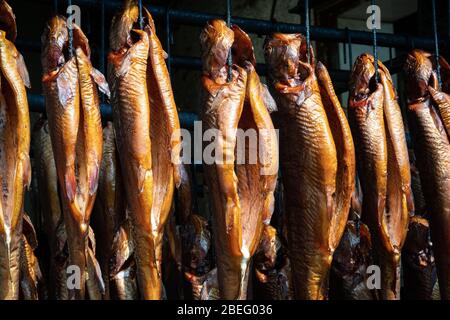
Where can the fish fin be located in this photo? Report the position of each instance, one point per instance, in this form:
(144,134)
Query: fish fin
(26,170)
(100,80)
(94,266)
(29,231)
(65,92)
(410,201)
(93,178)
(70,183)
(124,66)
(23,71)
(165,55)
(269,102)
(143,175)
(439,97)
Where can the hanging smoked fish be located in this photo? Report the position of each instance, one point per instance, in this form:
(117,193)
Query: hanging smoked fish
(317,160)
(15,170)
(110,223)
(383,164)
(432,150)
(70,87)
(242,192)
(52,218)
(31,279)
(147,136)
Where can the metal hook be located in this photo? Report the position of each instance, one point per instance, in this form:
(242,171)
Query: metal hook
(375,49)
(70,31)
(141,19)
(230,58)
(350,48)
(436,42)
(272,10)
(308,54)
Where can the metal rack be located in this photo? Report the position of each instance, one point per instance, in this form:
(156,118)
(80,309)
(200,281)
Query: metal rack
(255,26)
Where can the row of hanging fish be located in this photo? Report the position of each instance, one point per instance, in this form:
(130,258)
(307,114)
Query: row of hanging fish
(117,212)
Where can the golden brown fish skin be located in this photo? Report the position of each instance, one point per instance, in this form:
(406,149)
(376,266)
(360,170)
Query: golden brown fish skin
(165,135)
(432,150)
(418,261)
(164,117)
(61,89)
(366,113)
(127,75)
(309,168)
(242,193)
(222,182)
(384,166)
(31,279)
(345,150)
(8,21)
(15,170)
(442,100)
(75,131)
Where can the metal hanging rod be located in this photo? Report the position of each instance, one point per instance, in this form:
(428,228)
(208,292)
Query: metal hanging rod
(266,27)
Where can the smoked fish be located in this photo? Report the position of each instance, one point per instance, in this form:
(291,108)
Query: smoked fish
(383,164)
(51,210)
(432,150)
(242,192)
(348,277)
(418,261)
(15,168)
(317,160)
(31,278)
(110,209)
(73,110)
(269,282)
(147,136)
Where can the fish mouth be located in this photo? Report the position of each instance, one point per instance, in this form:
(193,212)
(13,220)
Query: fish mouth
(284,52)
(216,41)
(362,82)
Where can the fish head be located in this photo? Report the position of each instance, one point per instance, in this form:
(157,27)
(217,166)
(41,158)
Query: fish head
(282,54)
(8,21)
(216,40)
(122,24)
(197,238)
(362,82)
(54,41)
(242,49)
(417,239)
(266,256)
(419,72)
